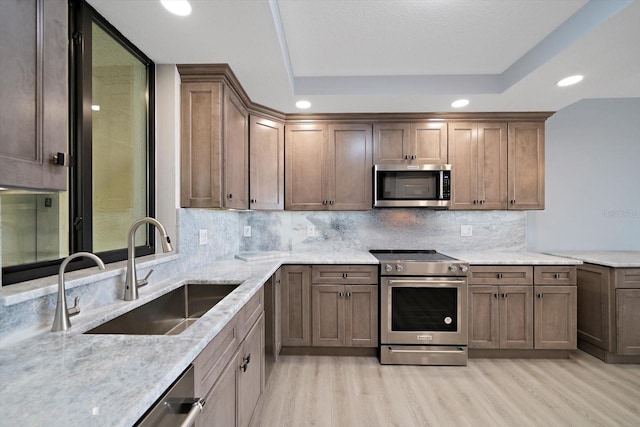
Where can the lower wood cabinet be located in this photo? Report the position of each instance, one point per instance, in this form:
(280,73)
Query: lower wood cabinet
(525,307)
(501,317)
(344,315)
(555,314)
(609,312)
(230,370)
(296,305)
(329,305)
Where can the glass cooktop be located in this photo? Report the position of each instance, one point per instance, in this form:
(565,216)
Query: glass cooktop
(405,255)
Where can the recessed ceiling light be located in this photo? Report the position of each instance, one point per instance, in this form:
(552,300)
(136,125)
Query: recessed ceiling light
(460,103)
(303,104)
(177,7)
(95,107)
(568,81)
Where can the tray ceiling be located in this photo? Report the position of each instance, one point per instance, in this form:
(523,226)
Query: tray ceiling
(400,55)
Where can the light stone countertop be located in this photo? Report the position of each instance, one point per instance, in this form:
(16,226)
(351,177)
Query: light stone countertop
(605,258)
(510,258)
(71,379)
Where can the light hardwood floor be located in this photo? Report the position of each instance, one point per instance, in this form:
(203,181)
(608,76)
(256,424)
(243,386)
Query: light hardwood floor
(357,391)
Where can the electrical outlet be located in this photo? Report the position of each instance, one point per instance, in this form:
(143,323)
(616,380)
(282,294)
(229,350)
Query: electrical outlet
(311,231)
(466,230)
(247,231)
(202,237)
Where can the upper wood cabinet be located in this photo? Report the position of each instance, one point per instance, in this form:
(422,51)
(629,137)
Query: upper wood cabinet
(266,164)
(497,166)
(526,165)
(214,147)
(478,157)
(416,143)
(328,167)
(34,107)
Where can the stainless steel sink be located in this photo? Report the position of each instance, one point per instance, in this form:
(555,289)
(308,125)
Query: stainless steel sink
(169,314)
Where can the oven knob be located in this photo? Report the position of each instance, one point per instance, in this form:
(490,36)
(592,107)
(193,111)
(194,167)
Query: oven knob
(399,267)
(453,268)
(388,268)
(464,268)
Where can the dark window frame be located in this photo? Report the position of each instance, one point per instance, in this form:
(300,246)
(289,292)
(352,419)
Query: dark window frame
(81,18)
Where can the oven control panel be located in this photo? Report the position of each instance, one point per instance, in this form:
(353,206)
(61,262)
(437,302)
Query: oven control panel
(424,269)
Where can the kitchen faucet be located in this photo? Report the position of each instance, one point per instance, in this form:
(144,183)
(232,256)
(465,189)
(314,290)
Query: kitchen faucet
(61,320)
(132,283)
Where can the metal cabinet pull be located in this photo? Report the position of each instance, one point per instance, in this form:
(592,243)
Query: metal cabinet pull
(349,294)
(540,295)
(229,196)
(504,295)
(496,295)
(245,362)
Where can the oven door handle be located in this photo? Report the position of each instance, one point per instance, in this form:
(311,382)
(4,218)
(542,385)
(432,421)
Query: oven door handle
(458,351)
(426,281)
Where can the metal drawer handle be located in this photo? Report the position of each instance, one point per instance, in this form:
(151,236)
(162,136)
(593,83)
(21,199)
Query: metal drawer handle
(458,351)
(194,413)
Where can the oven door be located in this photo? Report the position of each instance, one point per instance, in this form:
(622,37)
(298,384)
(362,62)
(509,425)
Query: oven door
(423,310)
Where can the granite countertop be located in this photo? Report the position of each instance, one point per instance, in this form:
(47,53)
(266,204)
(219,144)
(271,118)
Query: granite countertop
(510,258)
(605,258)
(71,379)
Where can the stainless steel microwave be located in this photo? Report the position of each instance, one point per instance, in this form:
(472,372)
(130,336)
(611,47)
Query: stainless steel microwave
(412,186)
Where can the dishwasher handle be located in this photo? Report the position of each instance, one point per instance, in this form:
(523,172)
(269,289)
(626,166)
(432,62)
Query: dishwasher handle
(194,413)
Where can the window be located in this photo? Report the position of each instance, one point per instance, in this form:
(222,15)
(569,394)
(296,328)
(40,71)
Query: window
(111,175)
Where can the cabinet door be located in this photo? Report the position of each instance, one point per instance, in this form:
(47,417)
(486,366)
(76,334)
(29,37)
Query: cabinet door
(296,305)
(391,143)
(200,155)
(516,317)
(429,143)
(463,155)
(236,152)
(34,107)
(594,305)
(492,166)
(251,373)
(484,317)
(221,402)
(628,321)
(555,317)
(305,154)
(526,166)
(266,166)
(328,315)
(350,169)
(361,316)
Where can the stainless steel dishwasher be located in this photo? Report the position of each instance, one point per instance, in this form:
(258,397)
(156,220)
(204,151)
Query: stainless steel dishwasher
(177,406)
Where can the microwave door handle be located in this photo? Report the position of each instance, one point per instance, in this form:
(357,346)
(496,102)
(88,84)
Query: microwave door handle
(441,185)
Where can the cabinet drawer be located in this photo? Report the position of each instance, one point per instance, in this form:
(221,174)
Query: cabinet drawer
(500,275)
(250,313)
(555,275)
(211,361)
(627,278)
(345,274)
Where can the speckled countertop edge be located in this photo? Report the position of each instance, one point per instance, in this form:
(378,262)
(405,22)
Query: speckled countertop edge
(617,259)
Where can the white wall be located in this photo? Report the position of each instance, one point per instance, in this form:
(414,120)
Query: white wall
(592,179)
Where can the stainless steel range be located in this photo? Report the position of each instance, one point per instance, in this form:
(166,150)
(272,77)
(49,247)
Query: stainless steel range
(423,304)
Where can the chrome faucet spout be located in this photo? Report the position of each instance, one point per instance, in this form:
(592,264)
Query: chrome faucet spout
(61,320)
(132,283)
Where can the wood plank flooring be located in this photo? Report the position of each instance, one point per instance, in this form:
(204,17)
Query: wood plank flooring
(329,391)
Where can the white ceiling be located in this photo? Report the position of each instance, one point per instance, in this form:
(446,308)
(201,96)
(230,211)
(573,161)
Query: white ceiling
(400,55)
